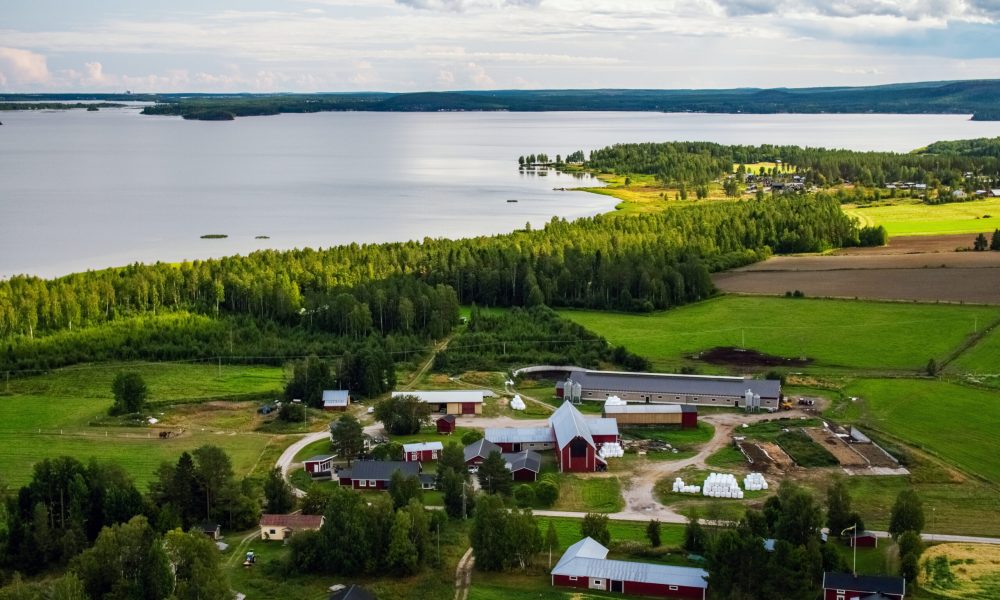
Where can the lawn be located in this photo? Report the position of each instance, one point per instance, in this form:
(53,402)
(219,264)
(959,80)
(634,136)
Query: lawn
(316,448)
(981,361)
(568,531)
(954,422)
(579,493)
(908,217)
(834,333)
(726,458)
(48,415)
(430,434)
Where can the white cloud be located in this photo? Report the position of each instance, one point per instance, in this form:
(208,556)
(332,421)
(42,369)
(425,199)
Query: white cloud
(23,66)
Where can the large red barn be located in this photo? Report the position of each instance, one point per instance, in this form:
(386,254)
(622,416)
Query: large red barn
(585,566)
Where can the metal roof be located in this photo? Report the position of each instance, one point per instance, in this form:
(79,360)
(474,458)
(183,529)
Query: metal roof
(517,461)
(421,446)
(444,396)
(602,426)
(480,448)
(588,547)
(864,583)
(335,397)
(318,458)
(663,383)
(647,409)
(519,435)
(567,423)
(381,470)
(585,560)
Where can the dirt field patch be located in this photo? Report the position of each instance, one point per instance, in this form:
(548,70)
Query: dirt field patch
(840,449)
(834,277)
(875,456)
(747,358)
(920,244)
(778,456)
(760,461)
(960,570)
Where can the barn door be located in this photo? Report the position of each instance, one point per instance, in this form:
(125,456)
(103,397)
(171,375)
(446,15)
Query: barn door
(616,586)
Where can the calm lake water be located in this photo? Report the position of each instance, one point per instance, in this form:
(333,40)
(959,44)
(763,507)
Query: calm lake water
(82,190)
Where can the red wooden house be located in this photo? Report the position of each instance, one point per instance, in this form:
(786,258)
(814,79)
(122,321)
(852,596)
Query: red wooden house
(865,539)
(585,566)
(446,424)
(478,451)
(524,466)
(422,451)
(846,586)
(375,474)
(318,466)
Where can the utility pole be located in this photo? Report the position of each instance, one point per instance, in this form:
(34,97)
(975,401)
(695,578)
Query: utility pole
(220,367)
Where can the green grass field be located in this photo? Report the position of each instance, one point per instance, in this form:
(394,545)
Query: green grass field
(48,415)
(981,361)
(589,494)
(875,336)
(915,218)
(956,423)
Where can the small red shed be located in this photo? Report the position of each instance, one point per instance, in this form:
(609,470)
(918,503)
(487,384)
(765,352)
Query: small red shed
(446,424)
(316,465)
(865,539)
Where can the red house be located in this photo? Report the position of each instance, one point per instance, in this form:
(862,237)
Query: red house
(375,474)
(524,466)
(846,586)
(478,451)
(446,424)
(585,566)
(318,465)
(422,451)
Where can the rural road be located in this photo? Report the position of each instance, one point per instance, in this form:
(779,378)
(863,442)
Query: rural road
(286,460)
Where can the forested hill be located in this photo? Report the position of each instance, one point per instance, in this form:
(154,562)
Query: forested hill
(650,262)
(978,97)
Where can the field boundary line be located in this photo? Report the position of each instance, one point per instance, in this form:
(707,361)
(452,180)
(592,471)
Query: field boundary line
(968,344)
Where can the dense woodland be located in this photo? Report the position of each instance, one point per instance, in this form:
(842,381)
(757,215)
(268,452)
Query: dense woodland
(495,341)
(952,97)
(399,294)
(698,163)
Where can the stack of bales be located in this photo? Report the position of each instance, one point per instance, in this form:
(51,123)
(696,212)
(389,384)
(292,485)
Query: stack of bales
(611,450)
(680,488)
(754,482)
(517,403)
(615,401)
(721,485)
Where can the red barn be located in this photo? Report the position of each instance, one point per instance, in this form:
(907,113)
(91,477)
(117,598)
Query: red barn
(422,451)
(375,474)
(516,439)
(446,424)
(846,586)
(318,465)
(585,566)
(576,448)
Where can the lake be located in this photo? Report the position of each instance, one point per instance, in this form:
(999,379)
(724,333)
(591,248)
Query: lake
(81,190)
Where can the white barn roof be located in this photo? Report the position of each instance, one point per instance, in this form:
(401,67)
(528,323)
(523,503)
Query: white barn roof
(422,446)
(520,435)
(445,396)
(567,423)
(664,383)
(586,558)
(602,426)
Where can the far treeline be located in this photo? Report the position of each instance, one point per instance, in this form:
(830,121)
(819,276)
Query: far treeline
(978,98)
(959,165)
(397,293)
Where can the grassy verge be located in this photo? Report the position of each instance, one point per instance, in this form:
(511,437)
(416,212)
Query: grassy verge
(589,494)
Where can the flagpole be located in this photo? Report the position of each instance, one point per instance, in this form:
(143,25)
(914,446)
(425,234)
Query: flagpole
(855,571)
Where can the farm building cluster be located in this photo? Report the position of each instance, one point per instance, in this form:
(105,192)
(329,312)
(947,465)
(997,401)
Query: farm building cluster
(660,388)
(578,441)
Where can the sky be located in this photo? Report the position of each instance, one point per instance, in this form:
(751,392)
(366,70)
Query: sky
(417,45)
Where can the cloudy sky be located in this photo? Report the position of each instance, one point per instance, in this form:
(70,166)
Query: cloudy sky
(407,45)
